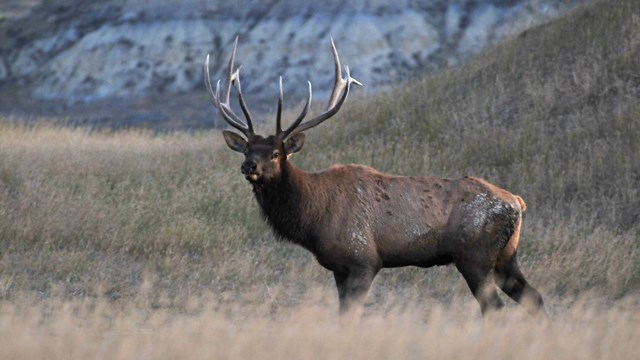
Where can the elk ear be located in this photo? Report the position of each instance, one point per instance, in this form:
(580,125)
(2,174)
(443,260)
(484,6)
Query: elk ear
(294,144)
(235,141)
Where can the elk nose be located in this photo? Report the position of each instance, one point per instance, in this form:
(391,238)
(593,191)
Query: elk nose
(248,167)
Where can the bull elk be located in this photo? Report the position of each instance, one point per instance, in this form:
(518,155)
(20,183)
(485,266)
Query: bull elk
(356,220)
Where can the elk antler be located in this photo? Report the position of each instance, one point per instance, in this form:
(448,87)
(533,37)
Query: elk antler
(298,120)
(224,107)
(335,101)
(338,97)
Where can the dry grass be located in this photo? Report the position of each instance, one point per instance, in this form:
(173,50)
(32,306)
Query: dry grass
(80,330)
(92,214)
(133,244)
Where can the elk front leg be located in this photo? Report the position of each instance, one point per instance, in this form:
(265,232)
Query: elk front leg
(353,287)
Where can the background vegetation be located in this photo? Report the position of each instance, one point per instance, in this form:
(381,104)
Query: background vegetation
(113,243)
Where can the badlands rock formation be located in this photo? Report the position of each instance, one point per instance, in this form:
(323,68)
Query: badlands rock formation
(81,51)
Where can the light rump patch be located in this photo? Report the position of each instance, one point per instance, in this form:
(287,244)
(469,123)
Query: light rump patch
(482,209)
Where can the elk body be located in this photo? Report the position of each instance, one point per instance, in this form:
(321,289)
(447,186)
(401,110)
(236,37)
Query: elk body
(356,220)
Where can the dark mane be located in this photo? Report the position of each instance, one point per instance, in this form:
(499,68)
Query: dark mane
(281,207)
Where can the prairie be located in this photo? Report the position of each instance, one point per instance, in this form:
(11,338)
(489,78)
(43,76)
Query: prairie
(132,244)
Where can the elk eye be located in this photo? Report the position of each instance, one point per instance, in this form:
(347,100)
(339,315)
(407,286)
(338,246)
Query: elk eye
(275,155)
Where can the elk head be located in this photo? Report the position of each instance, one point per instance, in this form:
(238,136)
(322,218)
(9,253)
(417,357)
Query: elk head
(265,156)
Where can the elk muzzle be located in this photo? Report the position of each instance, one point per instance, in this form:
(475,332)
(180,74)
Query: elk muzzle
(250,170)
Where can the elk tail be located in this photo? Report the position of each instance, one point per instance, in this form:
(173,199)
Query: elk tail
(508,253)
(523,205)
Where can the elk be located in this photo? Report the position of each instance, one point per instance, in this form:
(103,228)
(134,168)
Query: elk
(356,220)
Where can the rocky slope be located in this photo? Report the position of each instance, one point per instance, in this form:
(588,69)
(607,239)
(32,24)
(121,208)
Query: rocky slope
(83,52)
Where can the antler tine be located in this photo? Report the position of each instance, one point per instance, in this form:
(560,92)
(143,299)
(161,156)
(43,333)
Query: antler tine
(228,115)
(338,83)
(223,106)
(341,85)
(230,73)
(303,113)
(231,77)
(279,113)
(207,81)
(330,112)
(243,104)
(235,122)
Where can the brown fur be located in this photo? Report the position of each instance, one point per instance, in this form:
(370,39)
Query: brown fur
(356,221)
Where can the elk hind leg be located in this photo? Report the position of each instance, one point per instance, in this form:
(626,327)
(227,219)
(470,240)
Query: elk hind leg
(510,279)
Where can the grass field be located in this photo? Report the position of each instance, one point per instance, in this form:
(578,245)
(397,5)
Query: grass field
(139,245)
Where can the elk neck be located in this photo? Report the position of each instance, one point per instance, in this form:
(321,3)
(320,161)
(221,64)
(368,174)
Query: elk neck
(290,205)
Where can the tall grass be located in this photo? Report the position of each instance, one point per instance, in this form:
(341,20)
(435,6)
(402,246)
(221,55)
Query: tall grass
(77,330)
(133,244)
